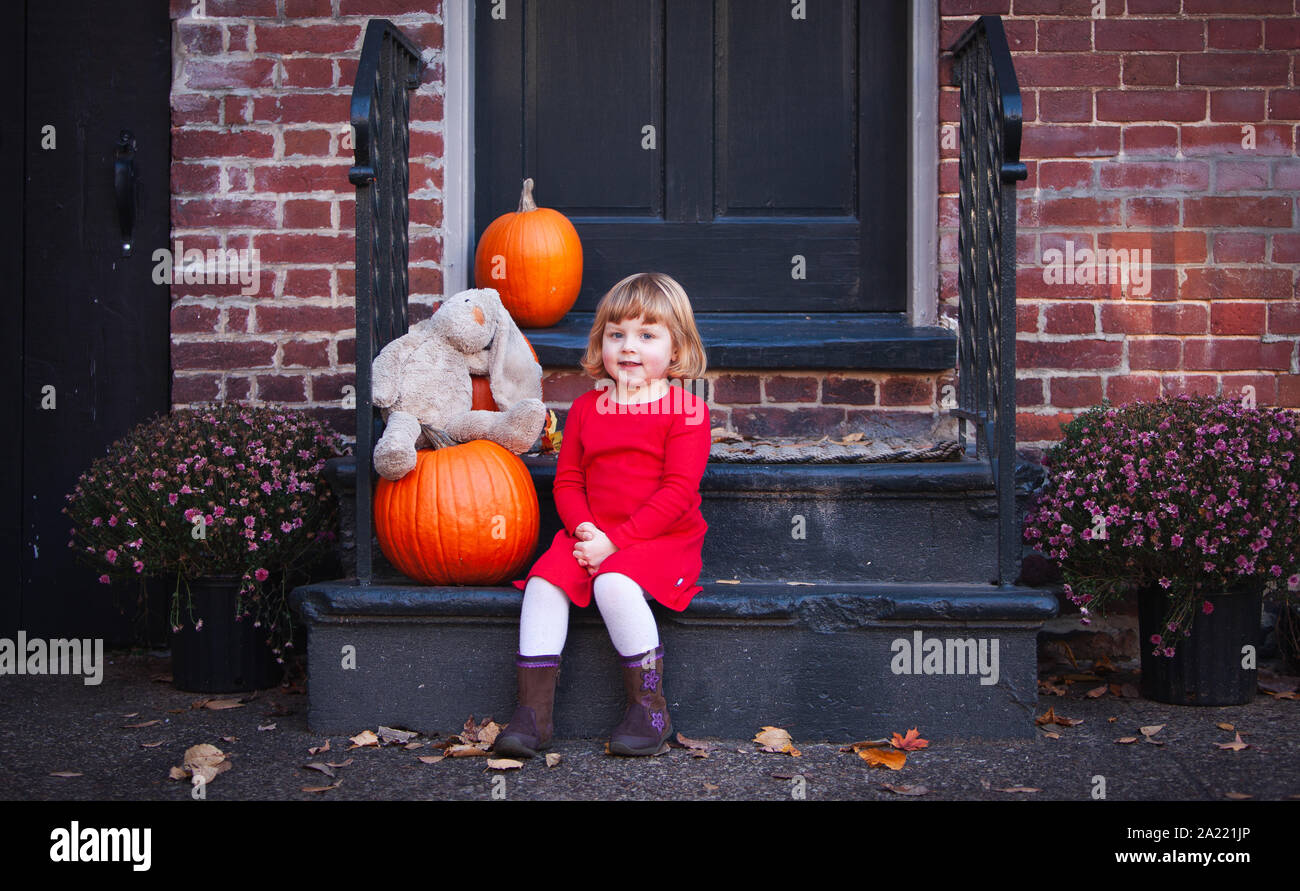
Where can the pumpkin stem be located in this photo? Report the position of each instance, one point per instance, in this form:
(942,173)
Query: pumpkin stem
(526,201)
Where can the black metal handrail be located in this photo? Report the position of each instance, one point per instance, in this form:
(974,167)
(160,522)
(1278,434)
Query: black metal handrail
(389,70)
(989,168)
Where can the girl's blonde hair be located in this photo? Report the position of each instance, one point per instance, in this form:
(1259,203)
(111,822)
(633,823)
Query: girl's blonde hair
(659,299)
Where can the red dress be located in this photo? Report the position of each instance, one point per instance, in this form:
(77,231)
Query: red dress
(634,471)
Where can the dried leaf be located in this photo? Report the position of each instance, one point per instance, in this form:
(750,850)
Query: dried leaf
(894,759)
(1103,664)
(1051,734)
(728,581)
(230,739)
(141,724)
(1224,725)
(552,759)
(853,437)
(464,751)
(388,735)
(413,745)
(693,744)
(132,715)
(152,745)
(1127,739)
(339,763)
(773,737)
(1081,677)
(710,787)
(316,750)
(1096,692)
(699,753)
(1051,717)
(431,759)
(904,790)
(178,773)
(1018,789)
(909,743)
(321,788)
(66,773)
(270,726)
(323,768)
(504,764)
(204,762)
(219,704)
(364,738)
(1237,796)
(1236,745)
(865,744)
(1151,729)
(1050,689)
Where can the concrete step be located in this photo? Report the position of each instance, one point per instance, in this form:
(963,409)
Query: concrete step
(827,660)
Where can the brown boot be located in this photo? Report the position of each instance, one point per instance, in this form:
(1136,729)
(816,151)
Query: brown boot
(530,727)
(647,725)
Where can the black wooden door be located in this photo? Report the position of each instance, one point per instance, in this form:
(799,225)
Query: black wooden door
(88,341)
(754,149)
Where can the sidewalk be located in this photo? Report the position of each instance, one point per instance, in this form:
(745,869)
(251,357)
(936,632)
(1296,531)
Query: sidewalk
(50,724)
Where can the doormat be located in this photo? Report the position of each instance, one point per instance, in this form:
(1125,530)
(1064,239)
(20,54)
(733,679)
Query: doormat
(854,449)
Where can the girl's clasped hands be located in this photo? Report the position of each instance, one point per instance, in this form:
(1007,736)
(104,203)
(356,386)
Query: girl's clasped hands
(594,547)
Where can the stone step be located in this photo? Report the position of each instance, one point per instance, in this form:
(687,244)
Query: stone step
(826,660)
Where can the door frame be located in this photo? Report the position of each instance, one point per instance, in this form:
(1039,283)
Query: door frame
(922,155)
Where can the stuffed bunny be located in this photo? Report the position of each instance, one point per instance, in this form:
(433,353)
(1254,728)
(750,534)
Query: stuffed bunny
(421,383)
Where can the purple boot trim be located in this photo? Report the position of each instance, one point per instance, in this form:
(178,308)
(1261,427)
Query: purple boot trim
(537,661)
(642,660)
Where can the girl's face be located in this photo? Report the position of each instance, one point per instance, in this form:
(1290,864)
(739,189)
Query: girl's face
(636,353)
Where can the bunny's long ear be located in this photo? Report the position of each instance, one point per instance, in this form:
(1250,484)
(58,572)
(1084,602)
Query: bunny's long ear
(514,374)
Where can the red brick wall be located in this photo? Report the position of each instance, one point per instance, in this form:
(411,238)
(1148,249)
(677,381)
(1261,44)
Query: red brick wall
(1167,125)
(1133,139)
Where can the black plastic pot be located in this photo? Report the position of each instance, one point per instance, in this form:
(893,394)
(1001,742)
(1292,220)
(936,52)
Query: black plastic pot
(225,656)
(1206,668)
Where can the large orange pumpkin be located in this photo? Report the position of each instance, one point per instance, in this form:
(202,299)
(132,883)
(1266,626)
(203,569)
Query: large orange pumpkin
(466,515)
(533,258)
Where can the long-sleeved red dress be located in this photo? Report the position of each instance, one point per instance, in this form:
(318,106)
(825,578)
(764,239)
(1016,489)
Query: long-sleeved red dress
(634,471)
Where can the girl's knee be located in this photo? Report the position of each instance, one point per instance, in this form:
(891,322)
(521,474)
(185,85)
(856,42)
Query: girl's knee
(614,584)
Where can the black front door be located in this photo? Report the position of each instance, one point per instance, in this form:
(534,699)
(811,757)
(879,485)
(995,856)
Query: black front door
(87,344)
(754,149)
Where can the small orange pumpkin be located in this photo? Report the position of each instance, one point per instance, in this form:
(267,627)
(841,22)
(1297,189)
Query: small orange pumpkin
(481,398)
(533,258)
(466,515)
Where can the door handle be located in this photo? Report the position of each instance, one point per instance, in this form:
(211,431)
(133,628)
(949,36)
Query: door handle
(124,187)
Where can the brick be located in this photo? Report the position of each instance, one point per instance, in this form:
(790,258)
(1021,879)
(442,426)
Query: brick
(195,178)
(425,280)
(1286,248)
(1173,385)
(199,38)
(1075,392)
(1224,282)
(222,354)
(1237,105)
(1144,140)
(1069,70)
(1282,33)
(425,212)
(1154,175)
(735,389)
(1065,105)
(1153,70)
(846,390)
(346,349)
(790,389)
(229,74)
(565,386)
(1064,36)
(1238,247)
(1236,33)
(188,388)
(297,178)
(241,142)
(390,7)
(1060,175)
(1070,318)
(1171,246)
(1151,105)
(308,9)
(238,42)
(1237,355)
(1040,427)
(1074,8)
(1026,315)
(301,108)
(785,421)
(195,108)
(238,387)
(1029,391)
(1284,317)
(426,144)
(1237,317)
(428,35)
(1237,7)
(307,142)
(1233,139)
(1121,389)
(223,213)
(240,8)
(1098,354)
(1080,212)
(912,390)
(236,320)
(1264,386)
(1154,7)
(305,353)
(281,388)
(1249,176)
(1063,141)
(329,387)
(1231,69)
(1154,318)
(1245,211)
(1284,105)
(307,282)
(1154,353)
(1149,34)
(306,214)
(192,319)
(286,39)
(1288,390)
(304,317)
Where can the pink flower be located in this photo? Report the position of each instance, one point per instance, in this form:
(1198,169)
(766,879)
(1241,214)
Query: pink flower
(139,567)
(1164,582)
(112,520)
(110,555)
(1207,607)
(261,575)
(199,625)
(171,498)
(1155,639)
(98,521)
(104,580)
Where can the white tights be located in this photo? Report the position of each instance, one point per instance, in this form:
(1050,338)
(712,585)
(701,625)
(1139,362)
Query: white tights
(544,620)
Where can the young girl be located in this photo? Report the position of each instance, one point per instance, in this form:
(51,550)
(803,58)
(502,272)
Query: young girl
(627,491)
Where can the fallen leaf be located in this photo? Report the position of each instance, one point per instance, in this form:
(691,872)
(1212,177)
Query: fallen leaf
(1151,729)
(853,437)
(1051,717)
(413,745)
(431,759)
(219,704)
(1127,739)
(1018,789)
(339,763)
(504,764)
(480,734)
(66,773)
(230,739)
(1224,725)
(865,744)
(464,751)
(316,750)
(132,715)
(910,743)
(710,787)
(552,759)
(152,745)
(321,788)
(323,768)
(728,581)
(1051,689)
(388,735)
(204,762)
(894,759)
(693,744)
(142,724)
(270,726)
(1051,734)
(904,790)
(1103,663)
(1236,745)
(175,711)
(1081,677)
(1096,692)
(1237,796)
(364,738)
(699,753)
(178,773)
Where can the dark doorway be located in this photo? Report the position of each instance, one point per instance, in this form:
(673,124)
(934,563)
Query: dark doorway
(87,344)
(754,149)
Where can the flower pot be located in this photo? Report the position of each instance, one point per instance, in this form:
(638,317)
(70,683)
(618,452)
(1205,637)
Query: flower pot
(225,656)
(1206,668)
